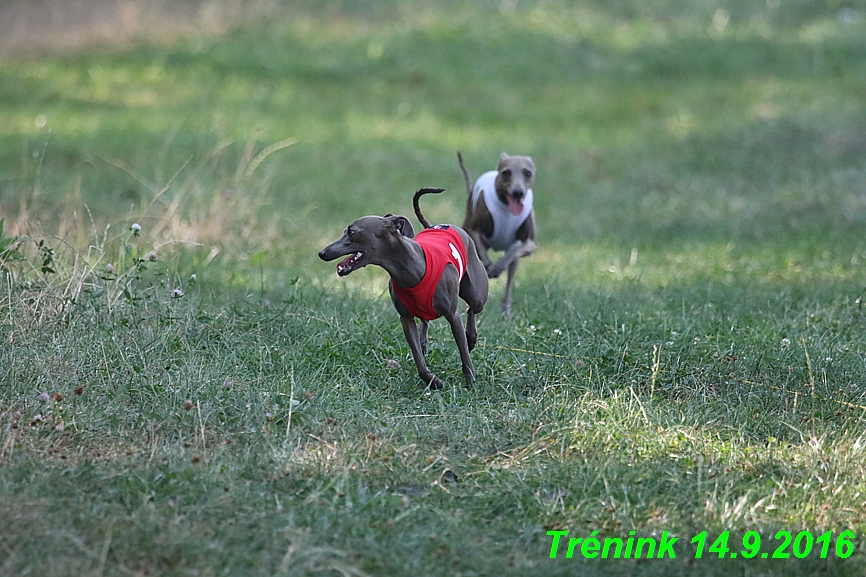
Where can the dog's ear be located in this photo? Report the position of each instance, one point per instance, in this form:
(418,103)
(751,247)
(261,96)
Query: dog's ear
(503,156)
(401,225)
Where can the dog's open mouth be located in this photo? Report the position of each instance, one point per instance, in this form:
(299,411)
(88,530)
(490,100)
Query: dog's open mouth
(515,206)
(347,265)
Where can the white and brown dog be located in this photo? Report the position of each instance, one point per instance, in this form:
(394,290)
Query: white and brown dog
(499,216)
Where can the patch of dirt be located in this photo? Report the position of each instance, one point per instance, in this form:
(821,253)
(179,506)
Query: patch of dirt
(29,27)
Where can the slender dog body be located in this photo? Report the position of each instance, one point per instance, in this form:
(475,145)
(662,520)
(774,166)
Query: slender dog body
(441,267)
(500,216)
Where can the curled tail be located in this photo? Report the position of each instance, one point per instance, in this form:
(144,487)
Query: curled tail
(465,174)
(421,192)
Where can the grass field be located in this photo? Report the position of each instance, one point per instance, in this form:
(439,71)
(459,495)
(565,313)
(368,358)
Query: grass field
(186,389)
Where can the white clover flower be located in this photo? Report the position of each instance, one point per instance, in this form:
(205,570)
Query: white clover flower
(177,293)
(109,268)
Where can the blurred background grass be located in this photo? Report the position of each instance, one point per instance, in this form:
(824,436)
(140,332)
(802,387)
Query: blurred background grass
(706,124)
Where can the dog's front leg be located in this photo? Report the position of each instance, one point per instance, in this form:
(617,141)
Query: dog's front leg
(517,250)
(422,336)
(506,298)
(462,346)
(410,330)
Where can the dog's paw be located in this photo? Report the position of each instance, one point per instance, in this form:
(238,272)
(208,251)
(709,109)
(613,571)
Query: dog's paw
(494,270)
(469,375)
(435,383)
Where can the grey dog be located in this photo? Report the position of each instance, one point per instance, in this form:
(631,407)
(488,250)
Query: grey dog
(390,242)
(500,216)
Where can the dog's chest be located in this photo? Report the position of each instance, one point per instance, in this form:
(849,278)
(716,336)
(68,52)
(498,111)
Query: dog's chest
(505,224)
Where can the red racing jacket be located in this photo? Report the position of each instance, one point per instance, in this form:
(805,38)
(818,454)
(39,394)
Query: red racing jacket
(441,244)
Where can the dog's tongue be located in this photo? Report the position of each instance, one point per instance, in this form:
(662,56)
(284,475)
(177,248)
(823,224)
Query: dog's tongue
(515,206)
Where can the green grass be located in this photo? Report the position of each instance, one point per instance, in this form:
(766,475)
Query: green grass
(687,346)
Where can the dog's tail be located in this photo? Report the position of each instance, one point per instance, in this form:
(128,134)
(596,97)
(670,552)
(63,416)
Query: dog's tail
(465,174)
(421,192)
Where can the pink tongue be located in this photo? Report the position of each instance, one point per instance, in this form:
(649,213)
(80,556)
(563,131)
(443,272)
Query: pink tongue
(515,206)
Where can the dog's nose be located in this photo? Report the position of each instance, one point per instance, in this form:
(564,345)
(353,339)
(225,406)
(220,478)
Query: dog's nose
(322,254)
(517,193)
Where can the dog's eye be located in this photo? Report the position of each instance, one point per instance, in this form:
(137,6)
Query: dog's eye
(527,173)
(349,232)
(506,174)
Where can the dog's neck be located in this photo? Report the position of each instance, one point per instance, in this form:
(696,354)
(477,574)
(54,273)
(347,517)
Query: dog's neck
(405,262)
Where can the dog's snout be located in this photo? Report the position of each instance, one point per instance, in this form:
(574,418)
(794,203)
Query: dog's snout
(323,253)
(518,193)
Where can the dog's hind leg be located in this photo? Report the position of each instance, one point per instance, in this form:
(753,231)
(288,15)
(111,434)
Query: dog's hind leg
(476,301)
(471,330)
(474,290)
